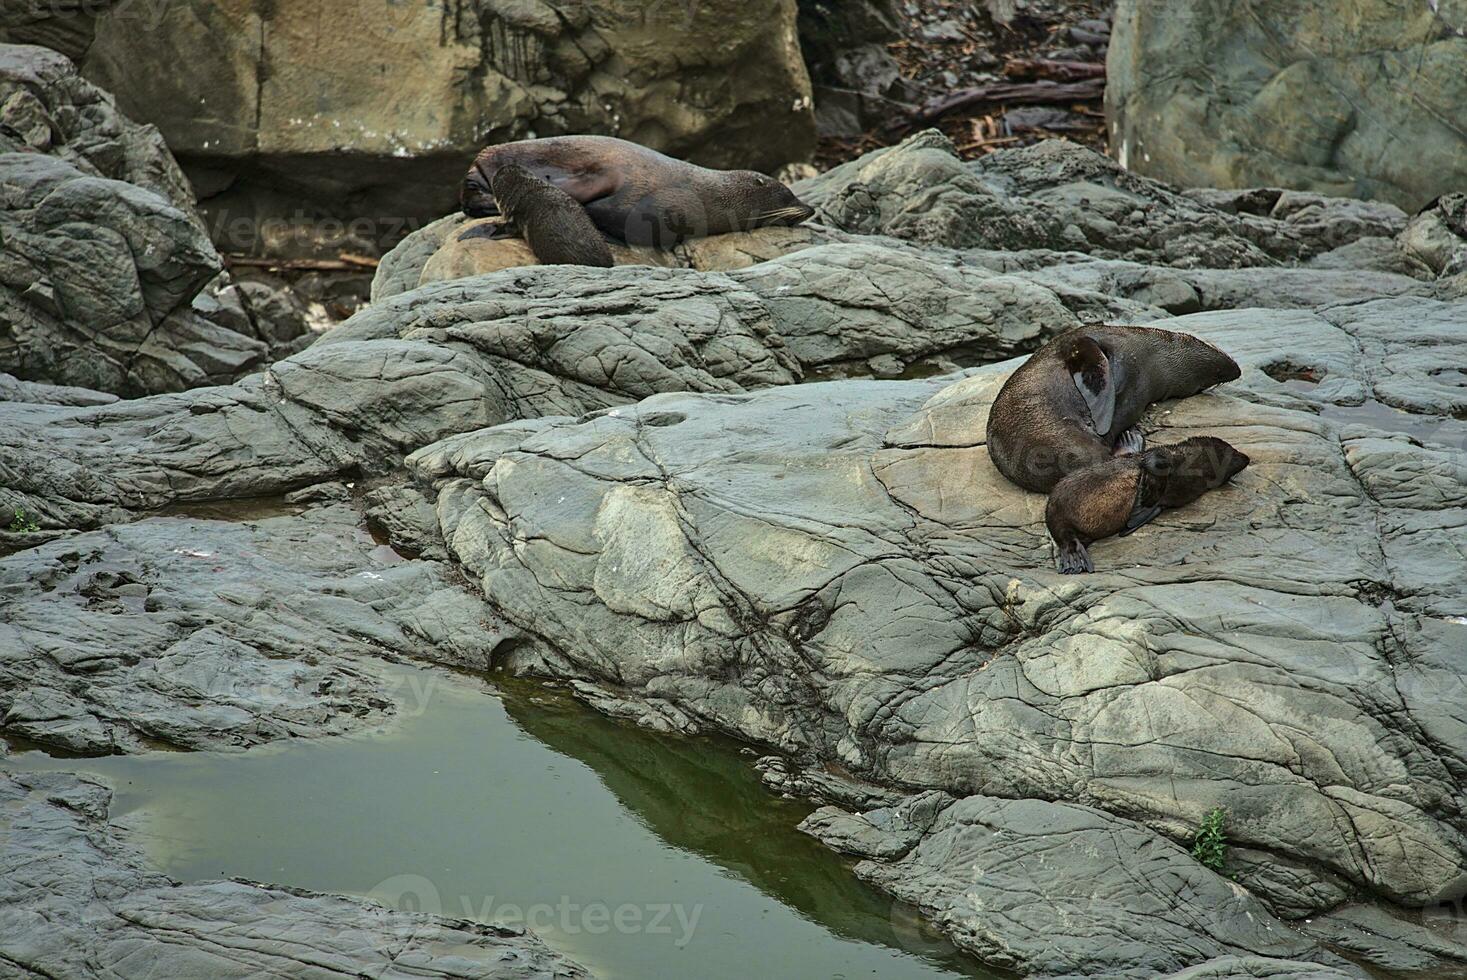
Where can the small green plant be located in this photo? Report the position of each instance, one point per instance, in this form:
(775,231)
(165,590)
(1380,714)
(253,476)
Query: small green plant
(22,523)
(1209,845)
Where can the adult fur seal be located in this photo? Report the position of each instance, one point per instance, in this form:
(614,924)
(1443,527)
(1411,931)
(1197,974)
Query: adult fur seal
(637,195)
(1119,495)
(1075,402)
(556,226)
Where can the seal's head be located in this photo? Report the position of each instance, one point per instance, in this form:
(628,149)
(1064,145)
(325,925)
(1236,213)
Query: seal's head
(1194,466)
(513,186)
(756,200)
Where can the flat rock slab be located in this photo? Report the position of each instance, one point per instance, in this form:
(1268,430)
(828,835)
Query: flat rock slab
(207,634)
(997,875)
(76,900)
(457,356)
(838,570)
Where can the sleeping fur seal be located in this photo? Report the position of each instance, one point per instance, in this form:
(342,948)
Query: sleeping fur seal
(637,195)
(1119,495)
(556,226)
(1075,402)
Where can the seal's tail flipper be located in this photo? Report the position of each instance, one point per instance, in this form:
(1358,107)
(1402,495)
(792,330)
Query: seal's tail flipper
(1073,559)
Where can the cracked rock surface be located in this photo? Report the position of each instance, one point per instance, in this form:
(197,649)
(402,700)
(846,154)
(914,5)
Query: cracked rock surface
(996,874)
(838,571)
(1367,105)
(218,634)
(658,513)
(77,900)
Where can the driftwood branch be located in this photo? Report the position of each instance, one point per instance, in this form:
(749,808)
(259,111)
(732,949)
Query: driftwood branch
(1008,93)
(347,262)
(1060,71)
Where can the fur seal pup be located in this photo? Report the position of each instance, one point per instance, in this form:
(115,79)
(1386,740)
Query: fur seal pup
(1119,495)
(554,223)
(1076,400)
(637,195)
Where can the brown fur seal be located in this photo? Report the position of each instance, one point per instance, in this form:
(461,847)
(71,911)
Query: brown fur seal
(637,195)
(1075,401)
(554,223)
(1119,495)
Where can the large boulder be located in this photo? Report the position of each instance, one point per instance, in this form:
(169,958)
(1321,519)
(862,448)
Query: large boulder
(51,109)
(77,899)
(108,278)
(997,874)
(344,109)
(1364,101)
(1057,195)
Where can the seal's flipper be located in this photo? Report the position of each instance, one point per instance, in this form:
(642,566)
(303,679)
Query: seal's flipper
(1140,516)
(1130,442)
(1156,468)
(492,231)
(586,187)
(1073,559)
(1091,370)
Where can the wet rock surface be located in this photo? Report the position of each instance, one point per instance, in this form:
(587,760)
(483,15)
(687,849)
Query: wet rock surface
(215,634)
(997,873)
(613,477)
(77,900)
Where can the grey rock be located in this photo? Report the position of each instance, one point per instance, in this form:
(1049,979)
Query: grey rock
(77,900)
(61,114)
(399,104)
(1367,105)
(1262,968)
(1392,943)
(1059,196)
(460,355)
(409,519)
(837,570)
(12,389)
(1437,237)
(213,634)
(96,285)
(996,875)
(402,267)
(104,273)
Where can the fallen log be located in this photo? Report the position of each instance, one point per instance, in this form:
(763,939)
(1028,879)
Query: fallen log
(347,262)
(1006,93)
(1060,71)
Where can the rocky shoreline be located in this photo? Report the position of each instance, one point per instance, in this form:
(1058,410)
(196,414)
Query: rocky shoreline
(615,479)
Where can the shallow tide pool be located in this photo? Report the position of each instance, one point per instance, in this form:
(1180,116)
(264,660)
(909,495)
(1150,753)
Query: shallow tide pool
(637,854)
